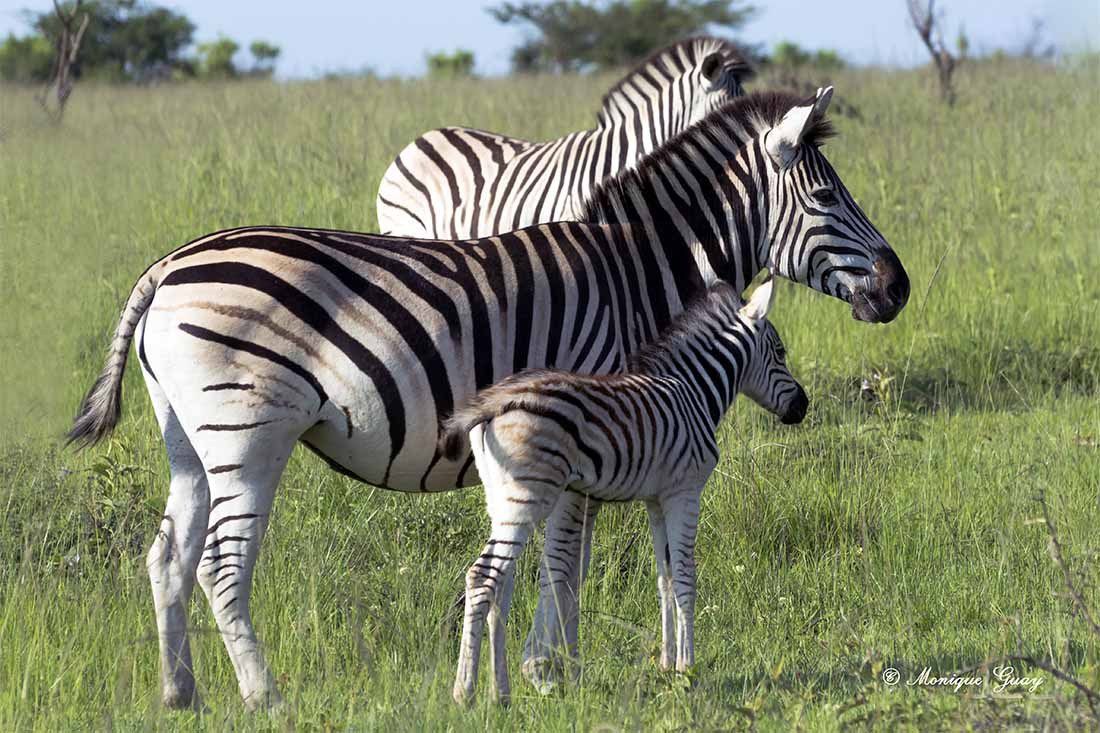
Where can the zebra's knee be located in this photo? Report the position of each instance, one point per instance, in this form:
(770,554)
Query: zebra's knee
(159,556)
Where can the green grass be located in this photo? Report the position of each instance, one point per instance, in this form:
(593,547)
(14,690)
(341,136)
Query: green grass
(894,532)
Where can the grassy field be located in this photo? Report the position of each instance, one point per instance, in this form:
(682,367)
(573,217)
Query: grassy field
(893,532)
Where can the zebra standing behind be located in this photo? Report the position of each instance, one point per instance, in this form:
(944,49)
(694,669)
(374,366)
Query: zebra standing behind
(460,183)
(644,435)
(357,345)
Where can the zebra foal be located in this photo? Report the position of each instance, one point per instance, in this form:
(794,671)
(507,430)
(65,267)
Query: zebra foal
(644,435)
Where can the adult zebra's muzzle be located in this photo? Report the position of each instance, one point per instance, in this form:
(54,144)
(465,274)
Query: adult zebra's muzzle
(886,292)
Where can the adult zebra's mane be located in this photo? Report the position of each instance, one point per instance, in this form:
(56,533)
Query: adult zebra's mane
(697,48)
(743,118)
(701,313)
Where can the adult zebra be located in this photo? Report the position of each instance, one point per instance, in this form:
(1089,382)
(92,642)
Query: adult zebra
(461,183)
(360,345)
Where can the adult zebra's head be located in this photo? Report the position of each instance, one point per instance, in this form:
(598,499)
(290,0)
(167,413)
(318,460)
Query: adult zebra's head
(676,87)
(818,234)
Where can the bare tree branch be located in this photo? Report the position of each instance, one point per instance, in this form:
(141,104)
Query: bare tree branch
(923,16)
(70,35)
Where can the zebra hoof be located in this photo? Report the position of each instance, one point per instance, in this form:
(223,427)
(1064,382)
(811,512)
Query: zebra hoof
(542,673)
(462,696)
(182,698)
(269,701)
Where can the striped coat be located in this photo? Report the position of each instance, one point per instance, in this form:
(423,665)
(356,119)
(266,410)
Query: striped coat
(460,183)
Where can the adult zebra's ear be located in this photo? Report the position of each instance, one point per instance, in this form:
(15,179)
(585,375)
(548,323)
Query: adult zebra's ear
(760,302)
(782,141)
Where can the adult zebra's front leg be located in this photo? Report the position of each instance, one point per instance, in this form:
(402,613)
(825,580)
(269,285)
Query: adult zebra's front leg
(552,642)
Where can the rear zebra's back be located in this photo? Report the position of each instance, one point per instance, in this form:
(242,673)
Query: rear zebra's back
(461,183)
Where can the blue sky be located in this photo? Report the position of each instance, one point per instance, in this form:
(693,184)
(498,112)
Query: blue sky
(393,36)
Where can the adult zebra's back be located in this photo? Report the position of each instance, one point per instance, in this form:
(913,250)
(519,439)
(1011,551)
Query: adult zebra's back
(460,183)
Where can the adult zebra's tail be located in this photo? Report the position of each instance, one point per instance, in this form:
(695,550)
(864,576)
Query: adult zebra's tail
(99,412)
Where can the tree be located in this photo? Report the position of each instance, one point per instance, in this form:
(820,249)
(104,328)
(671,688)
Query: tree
(69,34)
(216,58)
(450,65)
(126,40)
(792,56)
(924,19)
(264,55)
(26,60)
(571,35)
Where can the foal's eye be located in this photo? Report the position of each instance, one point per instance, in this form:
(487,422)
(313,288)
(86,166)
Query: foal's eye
(824,197)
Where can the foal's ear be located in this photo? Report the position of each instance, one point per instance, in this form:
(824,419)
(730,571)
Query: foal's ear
(783,140)
(760,302)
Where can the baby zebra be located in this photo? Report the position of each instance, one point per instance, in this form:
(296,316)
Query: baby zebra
(647,434)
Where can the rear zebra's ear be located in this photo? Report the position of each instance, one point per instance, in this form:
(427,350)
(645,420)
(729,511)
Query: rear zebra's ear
(712,66)
(760,302)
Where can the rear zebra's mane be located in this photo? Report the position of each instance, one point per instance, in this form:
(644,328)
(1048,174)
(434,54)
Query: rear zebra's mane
(696,48)
(748,115)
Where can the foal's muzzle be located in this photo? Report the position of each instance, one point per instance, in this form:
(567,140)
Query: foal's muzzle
(796,408)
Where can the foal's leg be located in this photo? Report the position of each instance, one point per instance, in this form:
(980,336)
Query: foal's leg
(174,554)
(561,572)
(500,690)
(682,522)
(486,578)
(664,583)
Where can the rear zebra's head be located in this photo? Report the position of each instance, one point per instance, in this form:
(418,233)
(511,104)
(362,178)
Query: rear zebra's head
(818,234)
(766,380)
(678,85)
(720,73)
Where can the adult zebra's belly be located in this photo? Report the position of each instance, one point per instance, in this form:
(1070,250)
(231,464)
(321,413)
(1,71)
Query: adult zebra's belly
(359,446)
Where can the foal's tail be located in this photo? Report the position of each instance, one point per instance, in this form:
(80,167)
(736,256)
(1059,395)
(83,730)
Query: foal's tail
(455,431)
(99,412)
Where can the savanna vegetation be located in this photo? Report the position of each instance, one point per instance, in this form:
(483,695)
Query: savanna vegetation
(897,528)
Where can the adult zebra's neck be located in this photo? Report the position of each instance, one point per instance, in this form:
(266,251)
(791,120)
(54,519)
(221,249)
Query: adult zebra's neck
(699,207)
(705,349)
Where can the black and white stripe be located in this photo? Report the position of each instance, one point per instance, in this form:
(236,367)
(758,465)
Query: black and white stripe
(645,435)
(461,183)
(359,345)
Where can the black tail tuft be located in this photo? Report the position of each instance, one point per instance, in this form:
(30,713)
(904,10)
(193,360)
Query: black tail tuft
(452,441)
(99,411)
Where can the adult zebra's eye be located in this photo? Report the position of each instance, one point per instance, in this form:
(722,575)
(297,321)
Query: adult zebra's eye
(824,197)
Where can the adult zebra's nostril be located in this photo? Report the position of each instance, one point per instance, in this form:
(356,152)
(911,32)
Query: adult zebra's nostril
(892,278)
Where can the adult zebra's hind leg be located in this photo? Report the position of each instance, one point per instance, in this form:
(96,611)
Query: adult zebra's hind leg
(243,467)
(174,554)
(552,642)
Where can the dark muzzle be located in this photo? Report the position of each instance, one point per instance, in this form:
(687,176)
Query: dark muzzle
(887,293)
(796,408)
